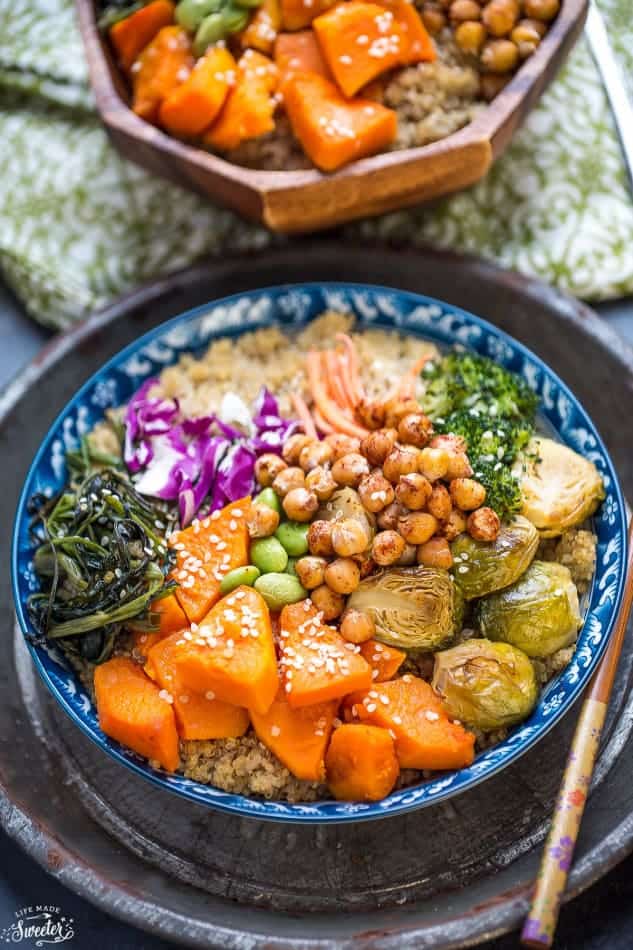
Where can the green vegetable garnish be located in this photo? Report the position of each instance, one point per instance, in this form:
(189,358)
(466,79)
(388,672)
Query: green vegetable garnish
(493,409)
(102,556)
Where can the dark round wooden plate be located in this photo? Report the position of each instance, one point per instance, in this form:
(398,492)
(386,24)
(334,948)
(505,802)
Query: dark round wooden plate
(448,876)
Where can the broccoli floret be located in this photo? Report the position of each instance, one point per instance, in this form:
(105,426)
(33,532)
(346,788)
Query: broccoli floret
(492,409)
(469,381)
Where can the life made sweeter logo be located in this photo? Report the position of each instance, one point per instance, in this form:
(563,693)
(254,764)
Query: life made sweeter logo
(38,926)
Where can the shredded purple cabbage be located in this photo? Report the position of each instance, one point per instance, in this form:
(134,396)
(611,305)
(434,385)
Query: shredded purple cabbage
(192,460)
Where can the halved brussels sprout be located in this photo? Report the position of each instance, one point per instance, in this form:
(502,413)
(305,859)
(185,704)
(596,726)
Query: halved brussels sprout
(346,503)
(413,608)
(560,488)
(482,567)
(539,613)
(485,685)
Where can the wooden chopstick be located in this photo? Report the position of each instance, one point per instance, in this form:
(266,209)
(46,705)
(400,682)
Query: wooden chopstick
(540,924)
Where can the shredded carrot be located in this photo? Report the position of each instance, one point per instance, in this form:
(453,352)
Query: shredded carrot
(304,416)
(406,389)
(321,424)
(326,406)
(345,380)
(335,379)
(353,368)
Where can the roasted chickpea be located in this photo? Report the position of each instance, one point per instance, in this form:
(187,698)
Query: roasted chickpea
(458,467)
(415,429)
(311,571)
(499,56)
(433,463)
(527,35)
(408,556)
(375,492)
(400,461)
(318,453)
(387,548)
(467,493)
(396,409)
(413,491)
(349,537)
(262,521)
(287,479)
(435,553)
(267,467)
(327,602)
(371,413)
(342,444)
(433,18)
(320,538)
(342,575)
(461,10)
(292,447)
(491,84)
(499,16)
(388,517)
(454,444)
(439,504)
(357,626)
(470,36)
(417,527)
(349,469)
(454,525)
(320,481)
(300,504)
(483,524)
(541,9)
(377,445)
(366,565)
(458,464)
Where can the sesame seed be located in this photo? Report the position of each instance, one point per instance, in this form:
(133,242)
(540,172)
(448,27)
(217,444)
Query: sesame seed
(431,716)
(209,694)
(275,731)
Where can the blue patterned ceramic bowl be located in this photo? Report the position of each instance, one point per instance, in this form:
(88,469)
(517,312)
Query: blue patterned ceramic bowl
(292,306)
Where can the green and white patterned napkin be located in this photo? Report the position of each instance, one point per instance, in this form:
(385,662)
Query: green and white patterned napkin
(79,224)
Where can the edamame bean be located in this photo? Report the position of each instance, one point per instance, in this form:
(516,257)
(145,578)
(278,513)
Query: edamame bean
(240,575)
(191,13)
(294,537)
(279,590)
(290,566)
(235,19)
(212,29)
(268,497)
(269,555)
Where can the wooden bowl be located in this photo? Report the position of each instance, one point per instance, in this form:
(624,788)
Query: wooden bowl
(307,200)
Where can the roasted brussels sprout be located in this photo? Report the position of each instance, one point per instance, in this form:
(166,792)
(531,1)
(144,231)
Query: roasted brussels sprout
(485,685)
(346,503)
(413,608)
(539,613)
(481,567)
(559,487)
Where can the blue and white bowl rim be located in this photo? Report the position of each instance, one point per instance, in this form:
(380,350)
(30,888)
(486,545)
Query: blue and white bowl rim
(293,305)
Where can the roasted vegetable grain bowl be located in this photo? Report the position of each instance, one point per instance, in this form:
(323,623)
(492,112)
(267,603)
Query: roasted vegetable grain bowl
(319,553)
(304,115)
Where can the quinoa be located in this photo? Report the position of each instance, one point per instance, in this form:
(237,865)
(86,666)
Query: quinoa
(576,549)
(245,767)
(433,100)
(269,356)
